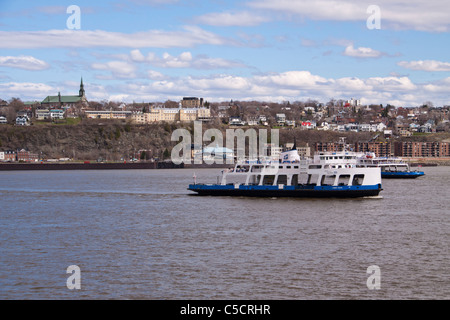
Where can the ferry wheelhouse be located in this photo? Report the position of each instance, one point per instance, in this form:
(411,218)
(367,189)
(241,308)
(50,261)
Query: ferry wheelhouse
(327,175)
(390,167)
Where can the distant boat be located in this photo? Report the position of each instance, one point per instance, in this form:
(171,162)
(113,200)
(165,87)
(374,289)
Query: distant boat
(391,167)
(289,176)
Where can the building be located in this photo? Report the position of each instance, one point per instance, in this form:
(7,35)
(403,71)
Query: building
(381,149)
(8,156)
(280,118)
(191,102)
(422,149)
(60,101)
(42,114)
(27,156)
(158,114)
(103,114)
(3,120)
(56,114)
(22,121)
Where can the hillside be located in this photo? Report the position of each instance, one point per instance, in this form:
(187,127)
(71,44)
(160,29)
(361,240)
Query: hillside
(90,140)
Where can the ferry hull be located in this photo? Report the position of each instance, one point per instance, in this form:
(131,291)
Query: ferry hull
(401,175)
(302,192)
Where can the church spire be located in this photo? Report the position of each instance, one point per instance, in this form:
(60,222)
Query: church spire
(81,92)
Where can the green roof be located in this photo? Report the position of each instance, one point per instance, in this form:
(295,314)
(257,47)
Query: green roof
(64,99)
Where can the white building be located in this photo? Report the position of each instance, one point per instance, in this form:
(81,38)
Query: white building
(57,114)
(3,120)
(22,121)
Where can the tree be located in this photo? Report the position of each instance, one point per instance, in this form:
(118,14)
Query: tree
(166,154)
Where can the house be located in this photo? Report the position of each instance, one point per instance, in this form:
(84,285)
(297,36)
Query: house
(308,124)
(236,121)
(56,114)
(42,114)
(290,123)
(252,121)
(3,120)
(280,118)
(27,156)
(22,121)
(8,156)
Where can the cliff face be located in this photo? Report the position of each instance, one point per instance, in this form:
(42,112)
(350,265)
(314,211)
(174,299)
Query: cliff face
(90,140)
(111,141)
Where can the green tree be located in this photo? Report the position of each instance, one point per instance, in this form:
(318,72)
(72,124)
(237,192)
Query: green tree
(166,154)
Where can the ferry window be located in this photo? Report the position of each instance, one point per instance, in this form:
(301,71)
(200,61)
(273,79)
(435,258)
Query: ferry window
(327,180)
(313,179)
(294,181)
(288,167)
(295,167)
(343,179)
(358,179)
(268,180)
(282,179)
(303,178)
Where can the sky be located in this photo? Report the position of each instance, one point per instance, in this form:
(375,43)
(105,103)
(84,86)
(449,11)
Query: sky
(379,51)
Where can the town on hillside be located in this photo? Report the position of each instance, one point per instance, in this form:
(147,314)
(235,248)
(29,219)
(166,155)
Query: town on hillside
(341,116)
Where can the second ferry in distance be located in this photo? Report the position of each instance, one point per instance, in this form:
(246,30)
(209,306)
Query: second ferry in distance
(391,168)
(327,176)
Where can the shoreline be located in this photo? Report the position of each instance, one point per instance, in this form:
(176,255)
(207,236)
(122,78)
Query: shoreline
(14,166)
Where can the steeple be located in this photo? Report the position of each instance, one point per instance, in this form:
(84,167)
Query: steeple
(81,92)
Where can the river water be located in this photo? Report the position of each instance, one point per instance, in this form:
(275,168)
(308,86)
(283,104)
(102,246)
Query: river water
(139,234)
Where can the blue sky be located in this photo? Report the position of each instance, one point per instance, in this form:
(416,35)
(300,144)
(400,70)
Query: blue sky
(285,50)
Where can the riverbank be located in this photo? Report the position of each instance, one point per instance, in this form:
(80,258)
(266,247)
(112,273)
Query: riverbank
(88,166)
(427,162)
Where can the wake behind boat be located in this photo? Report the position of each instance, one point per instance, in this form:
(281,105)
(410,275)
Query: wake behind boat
(324,177)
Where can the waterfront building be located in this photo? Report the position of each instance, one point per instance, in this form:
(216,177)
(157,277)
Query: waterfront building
(380,149)
(422,149)
(8,156)
(27,156)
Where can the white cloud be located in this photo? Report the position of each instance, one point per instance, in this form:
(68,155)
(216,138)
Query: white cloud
(188,37)
(288,86)
(421,15)
(184,60)
(227,19)
(425,65)
(23,62)
(118,69)
(24,90)
(361,52)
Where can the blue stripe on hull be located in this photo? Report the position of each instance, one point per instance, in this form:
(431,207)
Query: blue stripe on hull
(287,191)
(398,175)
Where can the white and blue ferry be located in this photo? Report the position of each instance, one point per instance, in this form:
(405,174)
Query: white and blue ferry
(391,167)
(327,175)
